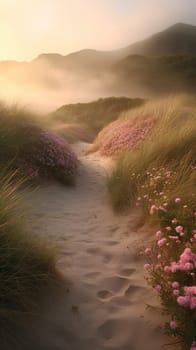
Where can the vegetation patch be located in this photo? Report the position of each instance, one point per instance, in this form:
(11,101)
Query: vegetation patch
(122,136)
(26,145)
(97,114)
(168,197)
(172,139)
(159,176)
(26,263)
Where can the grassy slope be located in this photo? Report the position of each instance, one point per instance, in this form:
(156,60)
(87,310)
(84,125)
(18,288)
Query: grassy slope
(159,176)
(95,115)
(169,144)
(15,124)
(26,264)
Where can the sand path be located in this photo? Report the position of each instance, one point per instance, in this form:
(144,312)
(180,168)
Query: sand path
(104,306)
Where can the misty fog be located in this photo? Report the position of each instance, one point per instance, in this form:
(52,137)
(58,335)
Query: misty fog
(43,88)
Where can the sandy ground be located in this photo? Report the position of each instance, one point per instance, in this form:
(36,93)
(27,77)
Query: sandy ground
(104,304)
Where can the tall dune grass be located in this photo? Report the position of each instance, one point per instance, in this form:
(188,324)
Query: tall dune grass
(26,263)
(173,139)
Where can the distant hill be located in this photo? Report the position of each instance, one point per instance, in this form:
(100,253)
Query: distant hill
(157,74)
(179,39)
(96,114)
(82,60)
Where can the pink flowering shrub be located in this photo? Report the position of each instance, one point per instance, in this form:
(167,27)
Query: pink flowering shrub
(122,136)
(49,157)
(171,259)
(36,153)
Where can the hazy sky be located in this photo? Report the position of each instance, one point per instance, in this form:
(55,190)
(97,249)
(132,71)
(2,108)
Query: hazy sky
(31,27)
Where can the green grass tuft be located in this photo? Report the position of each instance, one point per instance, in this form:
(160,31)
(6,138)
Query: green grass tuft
(26,263)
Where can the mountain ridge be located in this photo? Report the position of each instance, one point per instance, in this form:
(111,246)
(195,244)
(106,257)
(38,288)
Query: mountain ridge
(163,63)
(178,29)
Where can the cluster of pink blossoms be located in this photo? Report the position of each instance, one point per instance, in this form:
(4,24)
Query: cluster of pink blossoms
(172,258)
(123,136)
(189,298)
(187,262)
(50,156)
(193,346)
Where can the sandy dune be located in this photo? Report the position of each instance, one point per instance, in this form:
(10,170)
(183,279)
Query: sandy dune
(104,305)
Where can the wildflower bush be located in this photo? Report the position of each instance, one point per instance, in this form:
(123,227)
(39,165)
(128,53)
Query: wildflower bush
(26,145)
(171,259)
(118,137)
(169,144)
(159,176)
(49,157)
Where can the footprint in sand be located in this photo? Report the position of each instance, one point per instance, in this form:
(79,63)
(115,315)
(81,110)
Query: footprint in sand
(116,283)
(127,272)
(104,294)
(113,328)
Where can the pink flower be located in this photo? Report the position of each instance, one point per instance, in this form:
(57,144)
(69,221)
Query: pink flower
(174,267)
(148,251)
(162,242)
(193,303)
(174,221)
(177,200)
(179,229)
(158,288)
(173,325)
(167,269)
(193,346)
(153,209)
(168,228)
(147,267)
(190,290)
(183,301)
(175,285)
(159,234)
(188,266)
